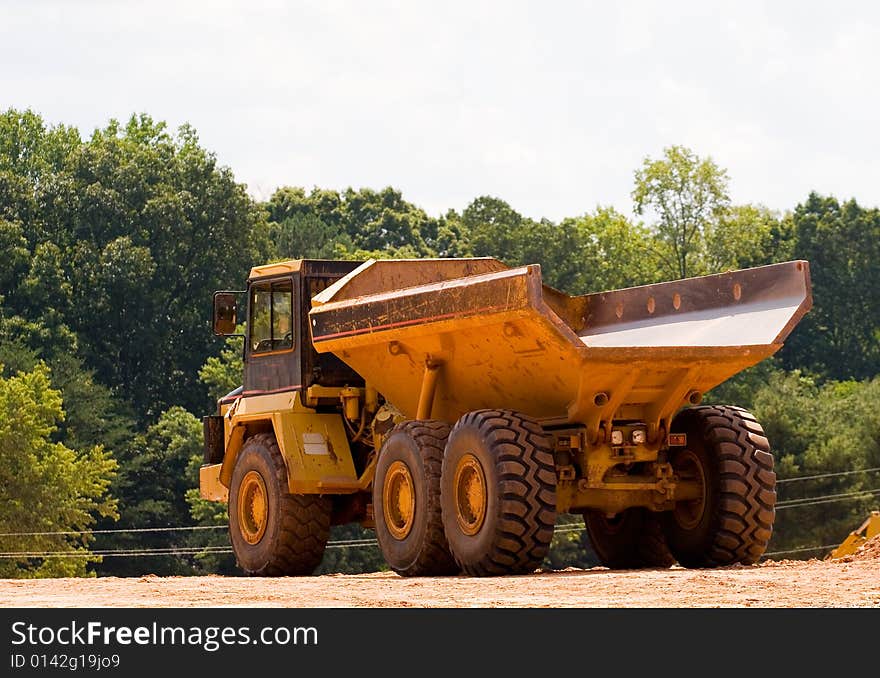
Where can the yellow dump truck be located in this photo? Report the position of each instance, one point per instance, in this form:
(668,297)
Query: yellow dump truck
(458,405)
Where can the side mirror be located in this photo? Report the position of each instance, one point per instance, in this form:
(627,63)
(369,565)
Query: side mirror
(225,313)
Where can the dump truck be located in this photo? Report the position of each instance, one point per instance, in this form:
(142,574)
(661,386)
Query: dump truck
(457,406)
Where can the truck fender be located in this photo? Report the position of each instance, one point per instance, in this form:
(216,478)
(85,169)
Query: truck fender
(239,433)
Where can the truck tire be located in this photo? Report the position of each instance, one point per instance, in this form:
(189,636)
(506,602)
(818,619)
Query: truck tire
(498,493)
(273,532)
(406,500)
(633,539)
(733,520)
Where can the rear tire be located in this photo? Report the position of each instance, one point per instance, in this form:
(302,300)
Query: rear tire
(273,532)
(632,540)
(498,493)
(406,500)
(732,523)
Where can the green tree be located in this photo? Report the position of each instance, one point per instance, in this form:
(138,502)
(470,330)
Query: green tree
(93,416)
(609,252)
(223,373)
(494,229)
(307,236)
(45,486)
(816,430)
(129,233)
(490,227)
(746,236)
(325,223)
(155,474)
(687,195)
(208,514)
(840,337)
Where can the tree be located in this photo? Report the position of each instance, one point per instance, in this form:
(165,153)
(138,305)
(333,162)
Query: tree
(840,337)
(156,471)
(816,430)
(223,373)
(687,195)
(490,227)
(46,487)
(746,236)
(609,252)
(494,229)
(128,233)
(307,236)
(92,415)
(325,223)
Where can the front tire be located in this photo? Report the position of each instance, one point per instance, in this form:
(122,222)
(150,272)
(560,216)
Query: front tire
(273,532)
(728,454)
(498,492)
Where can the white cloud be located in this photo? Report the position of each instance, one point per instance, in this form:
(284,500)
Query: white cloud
(551,106)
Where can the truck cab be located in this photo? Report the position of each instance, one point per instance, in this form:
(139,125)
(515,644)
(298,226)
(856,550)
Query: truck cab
(278,351)
(289,409)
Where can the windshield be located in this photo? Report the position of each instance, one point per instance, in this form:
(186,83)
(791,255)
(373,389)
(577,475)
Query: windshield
(271,321)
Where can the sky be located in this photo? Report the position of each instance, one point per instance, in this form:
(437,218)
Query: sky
(551,106)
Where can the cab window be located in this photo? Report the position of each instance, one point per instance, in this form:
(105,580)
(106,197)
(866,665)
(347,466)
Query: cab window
(271,321)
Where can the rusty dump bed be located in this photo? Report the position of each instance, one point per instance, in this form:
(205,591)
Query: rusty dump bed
(505,340)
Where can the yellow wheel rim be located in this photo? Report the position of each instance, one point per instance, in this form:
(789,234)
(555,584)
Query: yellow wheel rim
(253,507)
(470,494)
(399,500)
(688,467)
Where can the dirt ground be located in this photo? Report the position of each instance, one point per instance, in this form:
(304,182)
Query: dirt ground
(854,582)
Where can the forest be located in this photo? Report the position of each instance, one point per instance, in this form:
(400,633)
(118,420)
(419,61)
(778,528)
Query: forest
(111,245)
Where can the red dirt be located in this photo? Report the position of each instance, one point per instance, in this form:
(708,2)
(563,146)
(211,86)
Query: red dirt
(812,583)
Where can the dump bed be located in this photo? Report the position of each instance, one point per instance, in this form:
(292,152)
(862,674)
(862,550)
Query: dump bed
(505,340)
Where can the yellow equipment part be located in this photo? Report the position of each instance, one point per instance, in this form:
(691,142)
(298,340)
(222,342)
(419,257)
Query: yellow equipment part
(315,446)
(438,340)
(867,530)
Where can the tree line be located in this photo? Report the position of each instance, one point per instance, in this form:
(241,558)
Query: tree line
(111,245)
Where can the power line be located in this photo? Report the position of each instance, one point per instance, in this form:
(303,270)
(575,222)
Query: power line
(159,551)
(827,475)
(803,550)
(569,528)
(352,542)
(825,499)
(826,496)
(117,552)
(115,531)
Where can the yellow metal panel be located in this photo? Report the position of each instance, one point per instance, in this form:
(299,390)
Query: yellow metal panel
(210,486)
(316,449)
(315,446)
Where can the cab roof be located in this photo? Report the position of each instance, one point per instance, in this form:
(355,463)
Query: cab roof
(278,268)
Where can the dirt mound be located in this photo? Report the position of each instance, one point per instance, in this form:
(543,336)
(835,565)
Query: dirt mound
(870,550)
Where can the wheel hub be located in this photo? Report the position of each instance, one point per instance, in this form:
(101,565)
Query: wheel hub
(470,494)
(399,500)
(689,468)
(253,507)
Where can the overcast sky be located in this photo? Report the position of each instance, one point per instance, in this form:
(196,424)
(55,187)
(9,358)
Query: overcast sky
(548,105)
